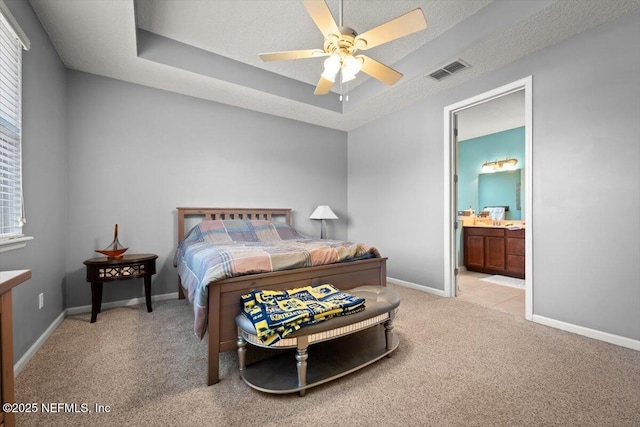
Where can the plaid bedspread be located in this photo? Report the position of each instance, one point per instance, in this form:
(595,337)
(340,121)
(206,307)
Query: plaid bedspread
(221,249)
(276,314)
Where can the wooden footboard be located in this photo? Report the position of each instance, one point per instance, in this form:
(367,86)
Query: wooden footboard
(224,295)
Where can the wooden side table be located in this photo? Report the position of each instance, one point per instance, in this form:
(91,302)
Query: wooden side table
(104,269)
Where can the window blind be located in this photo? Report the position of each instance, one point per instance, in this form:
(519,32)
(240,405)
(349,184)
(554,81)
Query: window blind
(11,206)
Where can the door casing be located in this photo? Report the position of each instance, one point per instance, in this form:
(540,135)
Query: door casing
(450,151)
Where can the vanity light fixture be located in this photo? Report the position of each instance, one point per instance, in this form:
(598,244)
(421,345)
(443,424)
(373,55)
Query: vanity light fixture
(499,165)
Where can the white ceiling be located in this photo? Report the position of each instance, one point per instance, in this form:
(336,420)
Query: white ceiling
(266,26)
(209,49)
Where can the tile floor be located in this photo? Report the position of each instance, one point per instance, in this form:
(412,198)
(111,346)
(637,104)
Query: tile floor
(498,297)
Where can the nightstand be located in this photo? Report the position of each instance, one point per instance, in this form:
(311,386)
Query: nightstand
(104,269)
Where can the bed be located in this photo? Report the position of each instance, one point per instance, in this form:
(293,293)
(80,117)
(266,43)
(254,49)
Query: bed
(223,296)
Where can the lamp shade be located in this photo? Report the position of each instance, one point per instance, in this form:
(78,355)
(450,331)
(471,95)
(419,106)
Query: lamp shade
(323,212)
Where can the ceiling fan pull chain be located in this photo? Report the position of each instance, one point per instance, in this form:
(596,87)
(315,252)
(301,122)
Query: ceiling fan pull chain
(346,93)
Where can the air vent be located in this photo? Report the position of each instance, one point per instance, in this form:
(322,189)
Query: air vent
(448,69)
(439,74)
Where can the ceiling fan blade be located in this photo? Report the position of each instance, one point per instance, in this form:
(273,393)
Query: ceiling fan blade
(323,87)
(292,54)
(379,71)
(401,26)
(322,16)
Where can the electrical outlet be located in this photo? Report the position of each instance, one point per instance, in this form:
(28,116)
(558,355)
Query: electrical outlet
(40,301)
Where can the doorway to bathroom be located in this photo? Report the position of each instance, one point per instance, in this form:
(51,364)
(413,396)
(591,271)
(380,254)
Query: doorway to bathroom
(488,173)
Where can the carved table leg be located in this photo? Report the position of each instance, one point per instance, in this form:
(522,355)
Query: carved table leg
(147,292)
(96,300)
(301,364)
(388,331)
(242,352)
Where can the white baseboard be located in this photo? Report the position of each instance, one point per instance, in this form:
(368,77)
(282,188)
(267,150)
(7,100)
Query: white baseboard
(411,285)
(121,303)
(580,330)
(20,364)
(587,332)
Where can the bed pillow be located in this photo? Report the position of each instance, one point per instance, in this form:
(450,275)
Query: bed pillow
(225,231)
(268,231)
(287,232)
(238,230)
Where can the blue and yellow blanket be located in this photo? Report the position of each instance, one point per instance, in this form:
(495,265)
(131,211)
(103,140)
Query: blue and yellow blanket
(276,314)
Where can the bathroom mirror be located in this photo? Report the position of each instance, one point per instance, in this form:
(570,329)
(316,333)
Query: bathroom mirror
(503,189)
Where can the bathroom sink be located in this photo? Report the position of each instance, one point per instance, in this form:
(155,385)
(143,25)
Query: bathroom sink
(496,226)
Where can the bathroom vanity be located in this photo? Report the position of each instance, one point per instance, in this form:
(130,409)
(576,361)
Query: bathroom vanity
(494,250)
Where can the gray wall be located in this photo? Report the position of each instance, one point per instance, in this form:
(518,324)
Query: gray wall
(44,171)
(586,169)
(136,153)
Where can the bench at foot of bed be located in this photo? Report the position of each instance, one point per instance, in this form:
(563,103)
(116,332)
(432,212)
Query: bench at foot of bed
(339,346)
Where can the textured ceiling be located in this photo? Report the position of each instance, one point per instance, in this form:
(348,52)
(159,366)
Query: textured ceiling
(209,49)
(241,30)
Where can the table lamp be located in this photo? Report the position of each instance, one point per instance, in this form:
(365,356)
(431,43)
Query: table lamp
(323,212)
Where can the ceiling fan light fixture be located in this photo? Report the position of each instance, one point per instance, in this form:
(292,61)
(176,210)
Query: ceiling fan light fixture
(329,76)
(331,67)
(342,42)
(346,77)
(351,65)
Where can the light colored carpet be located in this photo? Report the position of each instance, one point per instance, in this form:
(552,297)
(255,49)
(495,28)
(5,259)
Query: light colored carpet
(458,364)
(512,282)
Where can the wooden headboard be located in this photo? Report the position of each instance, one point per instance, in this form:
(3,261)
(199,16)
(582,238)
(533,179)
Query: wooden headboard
(206,214)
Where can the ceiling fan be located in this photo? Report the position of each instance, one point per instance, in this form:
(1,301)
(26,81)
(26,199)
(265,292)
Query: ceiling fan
(341,44)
